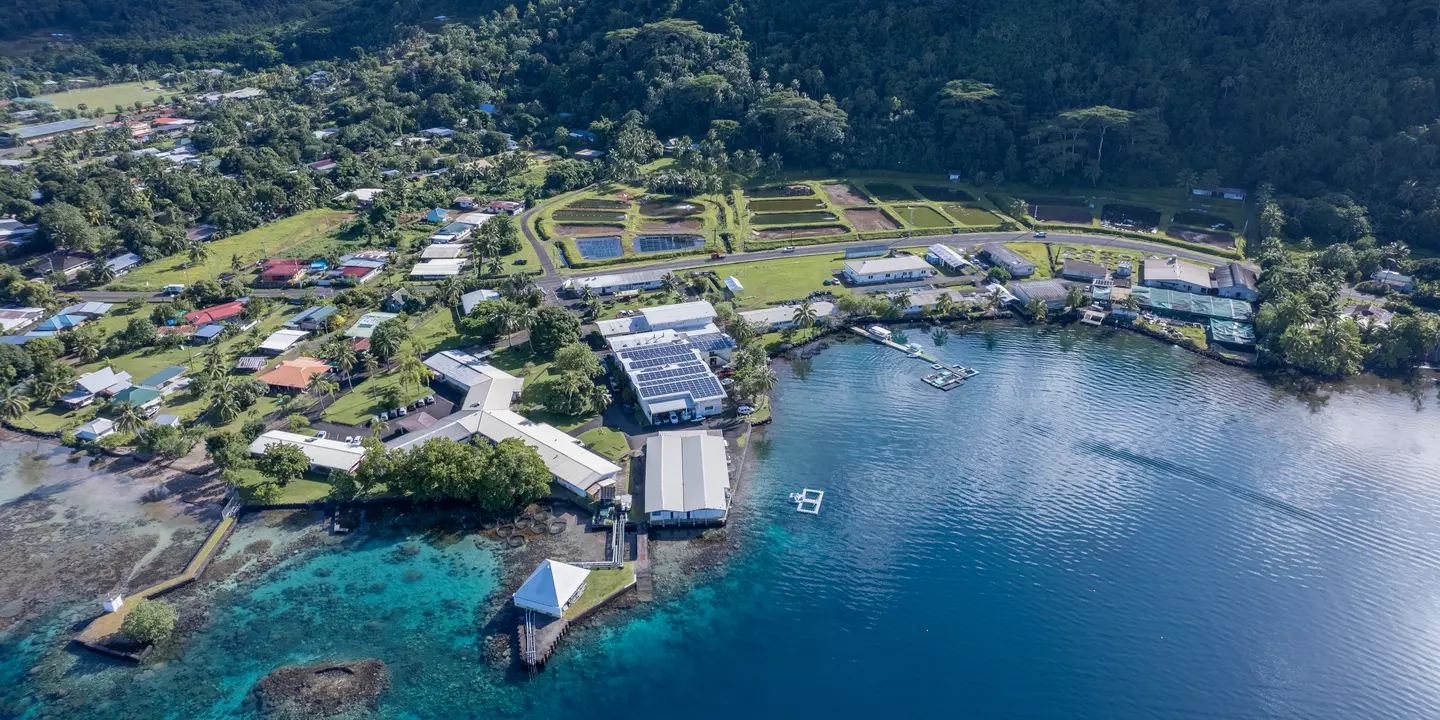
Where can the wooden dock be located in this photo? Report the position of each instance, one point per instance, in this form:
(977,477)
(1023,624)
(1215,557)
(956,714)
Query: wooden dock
(644,576)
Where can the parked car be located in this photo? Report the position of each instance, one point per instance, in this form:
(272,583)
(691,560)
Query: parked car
(521,261)
(402,412)
(320,434)
(673,418)
(727,382)
(831,281)
(429,399)
(745,410)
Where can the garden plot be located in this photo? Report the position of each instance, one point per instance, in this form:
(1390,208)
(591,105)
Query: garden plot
(887,192)
(845,194)
(599,248)
(940,193)
(871,219)
(671,225)
(786,233)
(793,218)
(1201,220)
(1130,217)
(1069,215)
(922,216)
(587,216)
(966,215)
(670,207)
(785,205)
(577,230)
(1224,241)
(599,204)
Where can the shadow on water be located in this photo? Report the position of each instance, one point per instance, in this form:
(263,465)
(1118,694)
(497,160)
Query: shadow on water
(940,336)
(802,367)
(1342,530)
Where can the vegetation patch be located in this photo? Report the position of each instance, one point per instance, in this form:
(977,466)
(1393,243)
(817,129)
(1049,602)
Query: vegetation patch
(1224,241)
(890,192)
(587,216)
(794,218)
(672,225)
(941,193)
(845,194)
(599,204)
(607,442)
(870,219)
(1062,213)
(105,97)
(671,207)
(777,191)
(1130,217)
(578,230)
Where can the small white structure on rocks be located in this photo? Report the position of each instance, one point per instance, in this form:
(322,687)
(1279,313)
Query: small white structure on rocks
(115,602)
(552,588)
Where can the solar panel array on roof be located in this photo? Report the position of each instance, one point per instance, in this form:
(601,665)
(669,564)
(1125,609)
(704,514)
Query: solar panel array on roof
(686,369)
(698,387)
(710,342)
(655,356)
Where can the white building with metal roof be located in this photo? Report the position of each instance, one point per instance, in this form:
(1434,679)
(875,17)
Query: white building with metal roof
(891,269)
(365,326)
(946,256)
(697,316)
(687,478)
(1172,273)
(672,381)
(552,588)
(469,300)
(442,268)
(618,282)
(486,387)
(579,470)
(781,316)
(324,454)
(282,340)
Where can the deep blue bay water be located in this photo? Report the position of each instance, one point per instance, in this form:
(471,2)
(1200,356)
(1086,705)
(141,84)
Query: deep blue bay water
(1097,526)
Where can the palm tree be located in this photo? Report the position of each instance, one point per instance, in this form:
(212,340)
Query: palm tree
(102,274)
(129,419)
(1131,303)
(516,285)
(47,390)
(448,292)
(514,317)
(88,346)
(495,265)
(996,299)
(224,401)
(599,398)
(197,252)
(1037,310)
(321,386)
(805,315)
(14,405)
(337,352)
(587,295)
(944,305)
(413,372)
(759,382)
(1074,297)
(673,284)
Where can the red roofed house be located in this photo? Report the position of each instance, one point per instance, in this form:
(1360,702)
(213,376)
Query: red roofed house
(509,207)
(360,274)
(284,270)
(217,314)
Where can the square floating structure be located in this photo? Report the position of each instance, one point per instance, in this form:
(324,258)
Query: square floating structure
(808,501)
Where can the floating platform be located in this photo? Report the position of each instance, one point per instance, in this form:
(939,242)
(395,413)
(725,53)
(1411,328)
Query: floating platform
(949,377)
(808,501)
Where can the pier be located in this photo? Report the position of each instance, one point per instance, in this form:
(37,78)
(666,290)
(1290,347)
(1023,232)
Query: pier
(882,336)
(100,629)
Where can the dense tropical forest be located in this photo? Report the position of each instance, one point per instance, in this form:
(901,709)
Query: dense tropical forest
(1330,102)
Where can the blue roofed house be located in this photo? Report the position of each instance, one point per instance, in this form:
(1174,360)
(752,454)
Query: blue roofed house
(436,215)
(487,108)
(165,381)
(207,334)
(585,135)
(60,322)
(312,318)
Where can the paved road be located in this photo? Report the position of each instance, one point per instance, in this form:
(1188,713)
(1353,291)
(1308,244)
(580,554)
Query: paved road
(123,295)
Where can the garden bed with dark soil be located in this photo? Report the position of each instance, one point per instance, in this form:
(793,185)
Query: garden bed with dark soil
(845,194)
(599,204)
(887,192)
(1202,220)
(939,193)
(870,219)
(780,191)
(1130,217)
(671,225)
(1059,213)
(580,230)
(1214,239)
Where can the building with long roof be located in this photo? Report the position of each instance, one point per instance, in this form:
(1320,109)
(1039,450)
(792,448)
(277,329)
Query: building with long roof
(672,381)
(324,454)
(687,478)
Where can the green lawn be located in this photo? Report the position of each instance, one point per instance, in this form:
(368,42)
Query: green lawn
(105,97)
(600,585)
(769,281)
(295,491)
(607,442)
(1035,253)
(274,239)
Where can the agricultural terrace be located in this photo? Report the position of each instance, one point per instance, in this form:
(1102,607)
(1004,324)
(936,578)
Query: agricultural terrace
(1171,215)
(106,97)
(273,239)
(800,211)
(615,224)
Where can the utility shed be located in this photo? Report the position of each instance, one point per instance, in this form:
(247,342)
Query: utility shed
(687,478)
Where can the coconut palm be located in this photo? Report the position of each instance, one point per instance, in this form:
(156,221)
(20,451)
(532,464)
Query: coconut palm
(1036,310)
(321,386)
(448,292)
(413,373)
(129,419)
(1131,303)
(514,317)
(337,352)
(495,265)
(225,402)
(805,315)
(516,285)
(758,382)
(1074,297)
(996,299)
(673,284)
(47,390)
(372,365)
(14,405)
(944,305)
(587,295)
(88,345)
(197,252)
(102,274)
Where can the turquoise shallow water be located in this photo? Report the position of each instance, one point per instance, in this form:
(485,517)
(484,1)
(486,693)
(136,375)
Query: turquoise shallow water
(1095,527)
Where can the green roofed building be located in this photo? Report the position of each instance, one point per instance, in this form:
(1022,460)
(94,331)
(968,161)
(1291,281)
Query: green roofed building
(141,397)
(1232,334)
(1185,305)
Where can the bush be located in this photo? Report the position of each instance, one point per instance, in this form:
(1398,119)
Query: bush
(149,621)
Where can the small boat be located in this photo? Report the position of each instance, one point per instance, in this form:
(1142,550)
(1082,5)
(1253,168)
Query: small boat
(796,497)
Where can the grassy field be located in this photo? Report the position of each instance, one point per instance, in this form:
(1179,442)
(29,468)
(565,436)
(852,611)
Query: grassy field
(274,238)
(769,281)
(105,97)
(369,398)
(600,585)
(607,442)
(1035,253)
(295,491)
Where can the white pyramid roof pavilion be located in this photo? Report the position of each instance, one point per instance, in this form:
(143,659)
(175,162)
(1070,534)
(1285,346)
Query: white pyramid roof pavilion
(551,588)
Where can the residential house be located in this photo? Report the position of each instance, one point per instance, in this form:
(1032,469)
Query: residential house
(95,429)
(1083,271)
(443,252)
(365,326)
(455,232)
(207,334)
(508,207)
(217,314)
(465,202)
(284,271)
(474,219)
(14,230)
(324,455)
(885,270)
(19,318)
(361,196)
(783,316)
(438,132)
(167,380)
(88,310)
(395,301)
(1370,314)
(585,135)
(281,340)
(67,263)
(202,233)
(143,398)
(437,269)
(1396,281)
(312,318)
(293,376)
(947,257)
(322,166)
(588,154)
(1234,280)
(552,588)
(104,381)
(123,263)
(1001,256)
(436,215)
(360,271)
(1172,273)
(57,323)
(469,300)
(687,478)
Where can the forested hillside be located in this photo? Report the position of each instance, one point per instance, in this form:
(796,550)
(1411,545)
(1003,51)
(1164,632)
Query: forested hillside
(1331,102)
